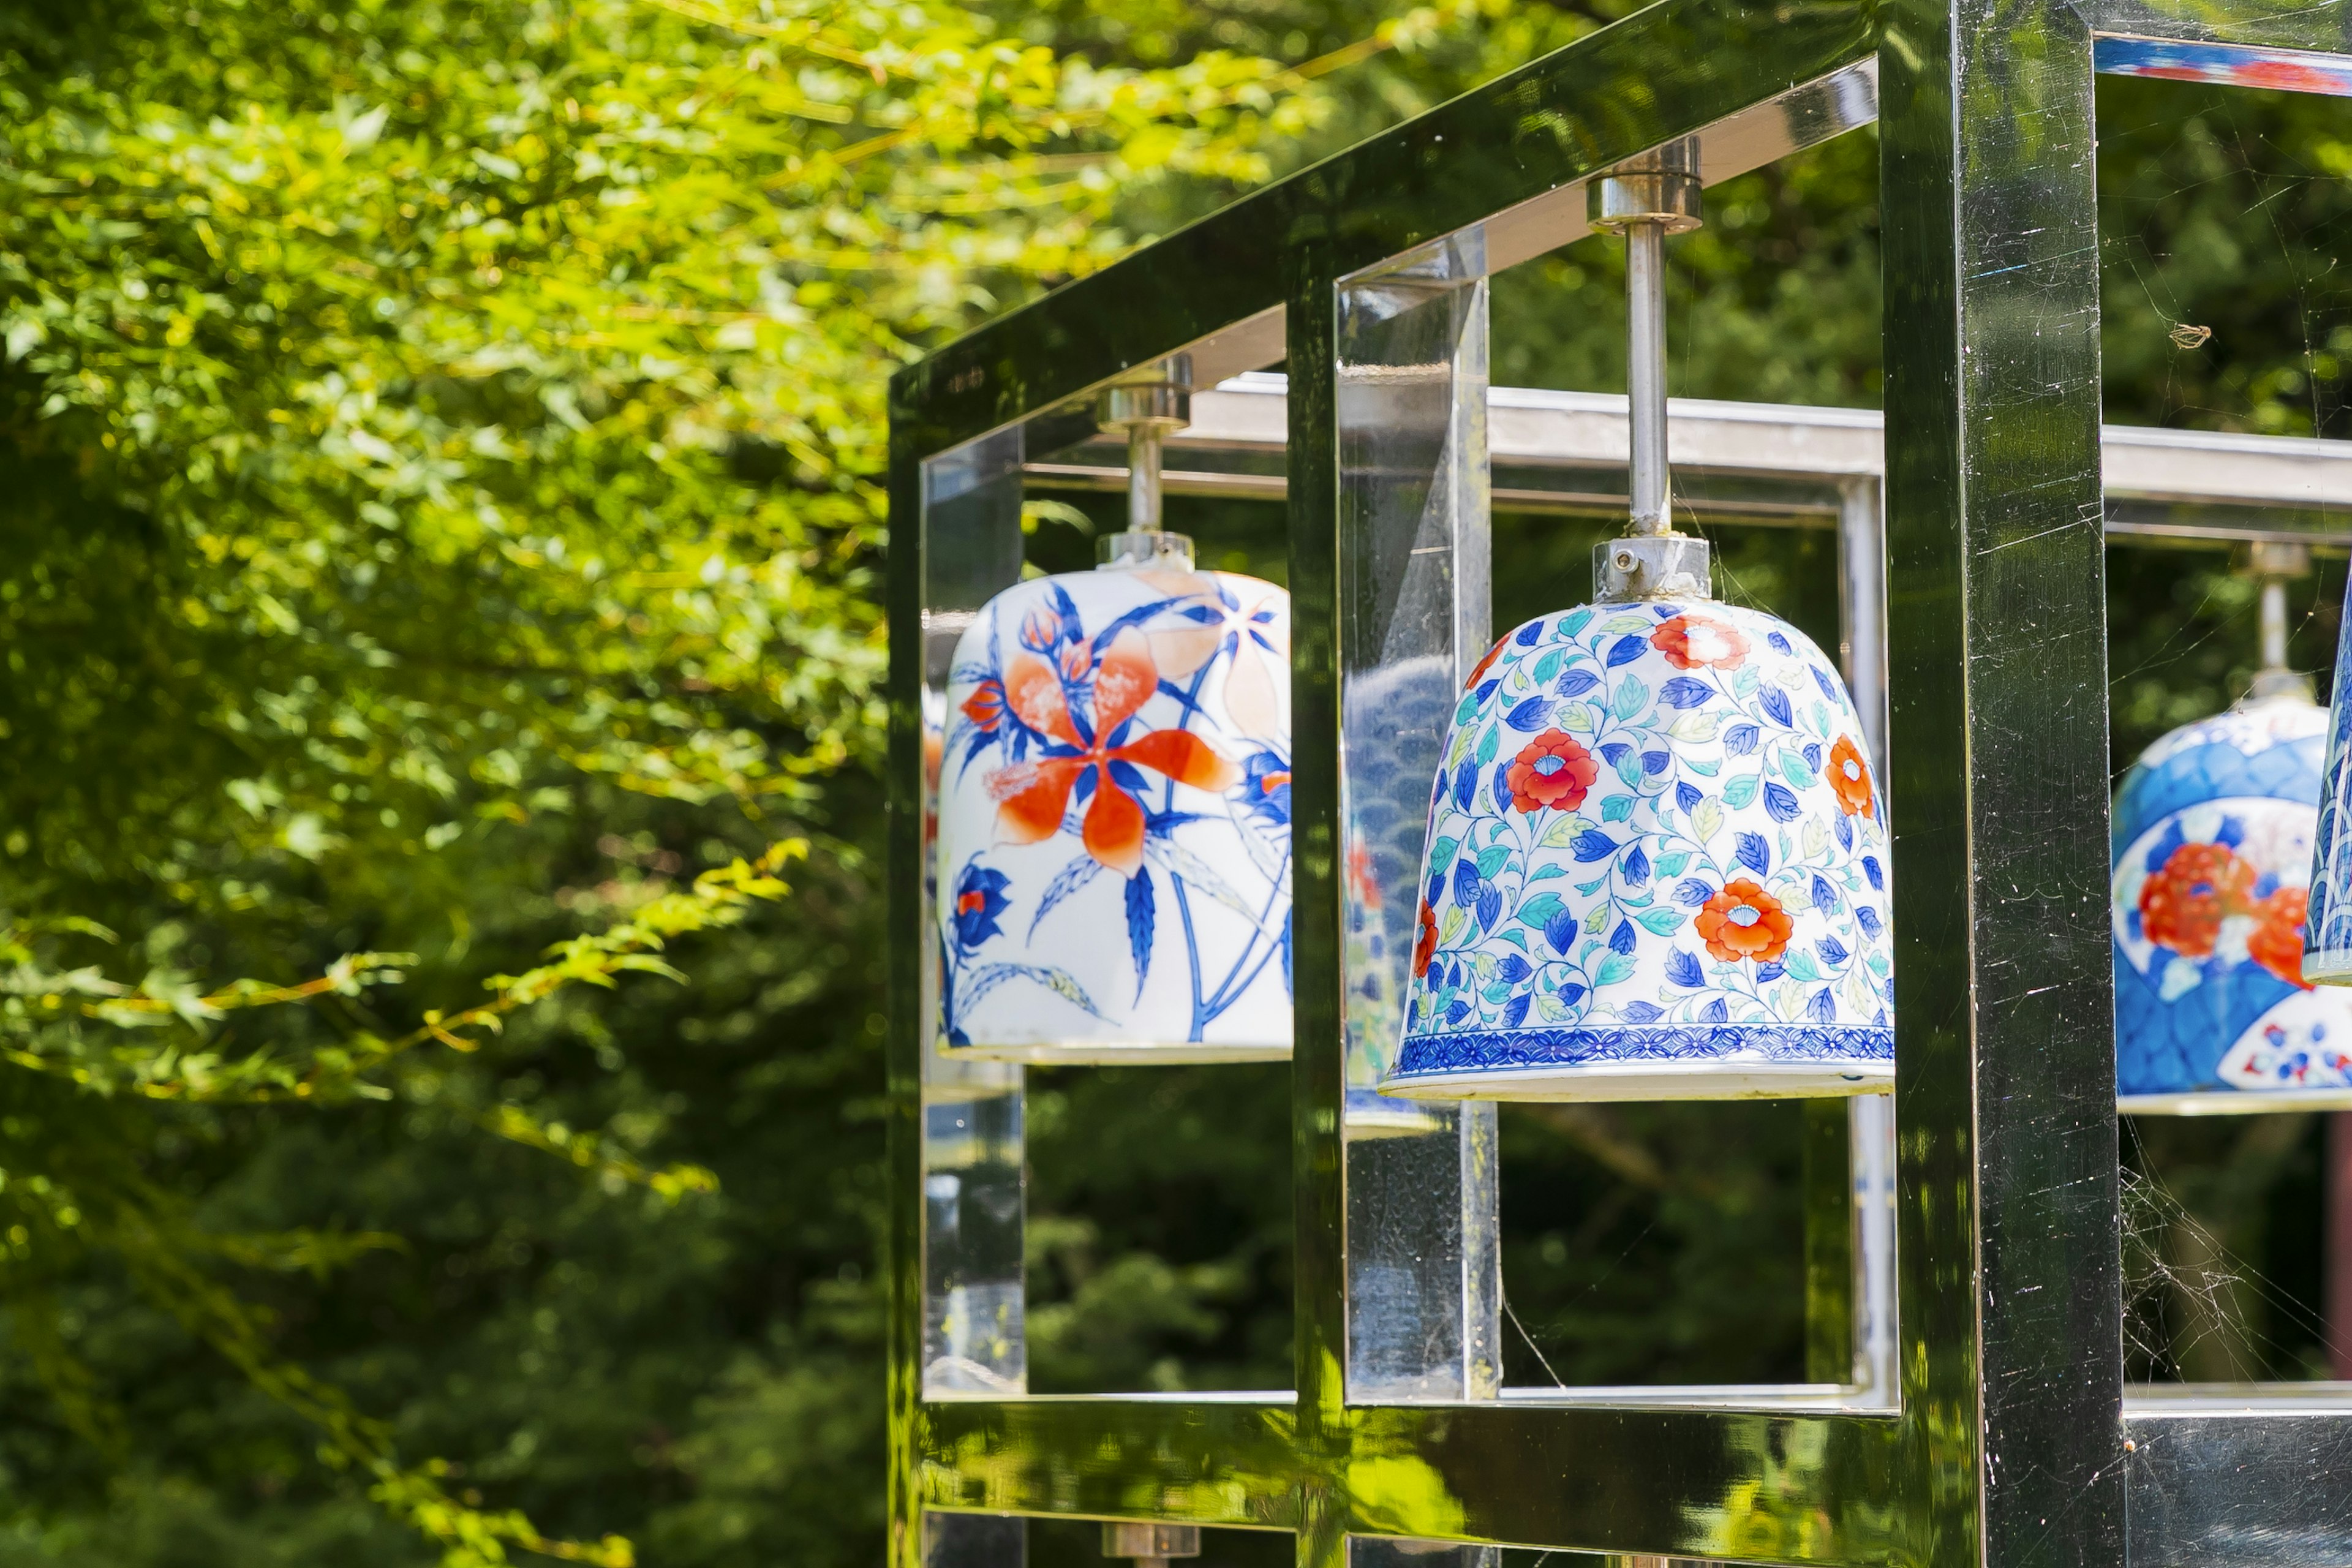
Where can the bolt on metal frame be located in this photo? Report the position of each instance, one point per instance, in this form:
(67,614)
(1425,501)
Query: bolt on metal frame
(2007,1436)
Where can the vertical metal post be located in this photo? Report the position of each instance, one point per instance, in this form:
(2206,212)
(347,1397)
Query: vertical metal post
(1318,919)
(1868,1174)
(2010,1253)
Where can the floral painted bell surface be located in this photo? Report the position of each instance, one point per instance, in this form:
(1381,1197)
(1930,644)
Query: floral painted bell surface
(1656,868)
(1114,852)
(2212,854)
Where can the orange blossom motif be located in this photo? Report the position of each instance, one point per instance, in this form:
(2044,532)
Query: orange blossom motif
(1744,921)
(2277,943)
(1424,944)
(1689,641)
(2182,906)
(1033,795)
(1550,771)
(1849,777)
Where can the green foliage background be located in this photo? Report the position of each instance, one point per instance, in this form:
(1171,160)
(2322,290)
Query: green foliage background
(438,451)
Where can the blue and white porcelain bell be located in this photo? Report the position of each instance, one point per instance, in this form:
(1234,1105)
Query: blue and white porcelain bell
(1114,834)
(2213,841)
(1656,860)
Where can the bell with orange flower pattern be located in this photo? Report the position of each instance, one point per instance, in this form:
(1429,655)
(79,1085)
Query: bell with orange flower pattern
(1114,846)
(1656,861)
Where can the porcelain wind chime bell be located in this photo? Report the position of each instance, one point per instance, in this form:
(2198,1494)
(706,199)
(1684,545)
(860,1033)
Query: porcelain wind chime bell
(2213,835)
(1656,861)
(1114,844)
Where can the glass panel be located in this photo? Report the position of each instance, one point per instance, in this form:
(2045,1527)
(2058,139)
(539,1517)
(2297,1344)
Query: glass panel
(1422,1272)
(973,1155)
(2227,359)
(1109,1228)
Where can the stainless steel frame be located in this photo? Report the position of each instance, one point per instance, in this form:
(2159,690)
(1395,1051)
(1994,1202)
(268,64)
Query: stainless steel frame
(2003,1434)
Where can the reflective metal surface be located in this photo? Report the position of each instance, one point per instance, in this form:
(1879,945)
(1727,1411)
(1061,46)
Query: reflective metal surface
(2012,1441)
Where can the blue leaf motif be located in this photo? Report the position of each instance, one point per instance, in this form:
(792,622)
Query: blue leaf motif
(1775,703)
(1867,918)
(1779,643)
(1752,852)
(1740,739)
(1682,969)
(1486,688)
(1529,635)
(1685,691)
(1572,994)
(1515,968)
(1593,845)
(1635,866)
(1643,1013)
(1655,763)
(1530,716)
(1687,795)
(1844,831)
(1833,951)
(1829,687)
(1813,755)
(1823,1008)
(1780,801)
(1465,883)
(1824,896)
(1465,786)
(1627,649)
(1490,906)
(1560,931)
(1458,1011)
(1870,869)
(1516,1013)
(1690,893)
(1716,1013)
(1502,786)
(1622,940)
(1437,793)
(1613,751)
(1139,926)
(1767,972)
(1577,682)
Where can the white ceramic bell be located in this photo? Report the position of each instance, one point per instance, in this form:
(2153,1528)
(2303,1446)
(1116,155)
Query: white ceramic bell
(1114,839)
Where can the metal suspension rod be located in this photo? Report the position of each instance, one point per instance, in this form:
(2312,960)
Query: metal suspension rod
(1146,440)
(1645,373)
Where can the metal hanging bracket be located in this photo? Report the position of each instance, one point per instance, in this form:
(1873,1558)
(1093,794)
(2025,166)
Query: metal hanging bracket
(1645,199)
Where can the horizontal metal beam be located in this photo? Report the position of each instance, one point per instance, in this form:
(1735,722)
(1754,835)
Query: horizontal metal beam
(2182,485)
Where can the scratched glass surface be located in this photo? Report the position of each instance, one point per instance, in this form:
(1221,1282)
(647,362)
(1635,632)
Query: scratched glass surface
(2226,310)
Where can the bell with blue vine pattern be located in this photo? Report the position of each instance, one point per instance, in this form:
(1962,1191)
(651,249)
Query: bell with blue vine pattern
(1656,860)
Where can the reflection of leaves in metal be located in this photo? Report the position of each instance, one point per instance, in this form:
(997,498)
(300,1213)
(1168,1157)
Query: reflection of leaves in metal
(2187,336)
